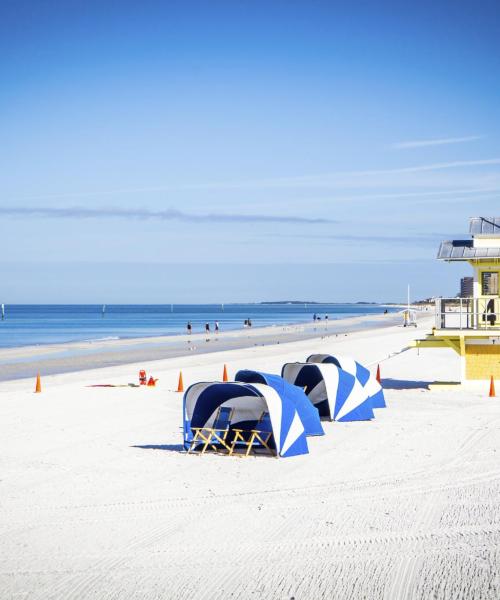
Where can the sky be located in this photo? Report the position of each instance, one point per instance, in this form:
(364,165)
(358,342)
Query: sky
(159,152)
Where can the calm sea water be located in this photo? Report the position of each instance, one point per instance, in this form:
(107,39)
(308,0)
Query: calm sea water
(26,325)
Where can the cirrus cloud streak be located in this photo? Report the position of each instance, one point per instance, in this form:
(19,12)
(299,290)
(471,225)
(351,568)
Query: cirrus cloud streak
(436,142)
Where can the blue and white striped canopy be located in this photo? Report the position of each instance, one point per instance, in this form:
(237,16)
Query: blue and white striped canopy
(309,415)
(367,379)
(337,394)
(249,402)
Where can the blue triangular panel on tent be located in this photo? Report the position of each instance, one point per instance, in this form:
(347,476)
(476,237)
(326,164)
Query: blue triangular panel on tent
(378,399)
(362,373)
(298,447)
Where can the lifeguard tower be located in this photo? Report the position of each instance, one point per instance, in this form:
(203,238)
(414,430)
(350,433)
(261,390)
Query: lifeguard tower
(471,326)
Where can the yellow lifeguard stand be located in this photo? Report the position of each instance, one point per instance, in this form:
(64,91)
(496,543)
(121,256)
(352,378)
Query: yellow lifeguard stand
(471,326)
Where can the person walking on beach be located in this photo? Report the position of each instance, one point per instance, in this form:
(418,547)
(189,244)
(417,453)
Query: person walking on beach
(189,327)
(207,327)
(249,322)
(314,317)
(216,326)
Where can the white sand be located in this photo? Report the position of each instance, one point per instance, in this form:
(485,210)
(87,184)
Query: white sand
(406,506)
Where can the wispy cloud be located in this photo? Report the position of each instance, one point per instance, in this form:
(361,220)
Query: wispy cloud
(338,179)
(436,142)
(344,178)
(169,214)
(417,196)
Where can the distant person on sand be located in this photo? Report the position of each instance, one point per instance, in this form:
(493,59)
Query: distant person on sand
(207,327)
(314,317)
(245,323)
(189,327)
(326,317)
(249,322)
(216,326)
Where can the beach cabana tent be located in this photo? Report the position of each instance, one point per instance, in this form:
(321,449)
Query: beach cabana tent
(309,415)
(249,402)
(366,379)
(336,394)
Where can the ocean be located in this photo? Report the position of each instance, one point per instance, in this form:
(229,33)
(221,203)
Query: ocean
(27,325)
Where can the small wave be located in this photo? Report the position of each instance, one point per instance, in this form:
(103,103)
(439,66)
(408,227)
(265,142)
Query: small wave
(103,339)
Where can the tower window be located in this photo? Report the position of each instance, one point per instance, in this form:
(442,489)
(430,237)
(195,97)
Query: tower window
(489,283)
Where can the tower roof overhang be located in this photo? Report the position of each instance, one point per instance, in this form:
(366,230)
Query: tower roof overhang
(464,250)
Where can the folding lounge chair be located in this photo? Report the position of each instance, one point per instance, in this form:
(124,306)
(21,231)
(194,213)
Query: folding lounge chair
(259,436)
(216,435)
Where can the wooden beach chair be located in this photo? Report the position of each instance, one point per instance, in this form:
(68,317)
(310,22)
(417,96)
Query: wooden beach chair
(216,435)
(260,436)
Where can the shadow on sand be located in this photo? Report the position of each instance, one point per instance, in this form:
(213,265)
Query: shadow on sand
(404,384)
(167,447)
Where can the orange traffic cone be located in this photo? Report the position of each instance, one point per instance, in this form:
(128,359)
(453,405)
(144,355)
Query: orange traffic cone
(180,385)
(38,386)
(224,374)
(492,388)
(151,382)
(378,374)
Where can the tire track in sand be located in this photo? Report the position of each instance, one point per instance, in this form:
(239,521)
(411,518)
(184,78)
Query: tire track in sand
(405,577)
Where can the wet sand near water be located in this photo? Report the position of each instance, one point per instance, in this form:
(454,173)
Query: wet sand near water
(16,363)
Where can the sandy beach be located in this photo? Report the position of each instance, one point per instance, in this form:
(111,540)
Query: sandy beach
(99,501)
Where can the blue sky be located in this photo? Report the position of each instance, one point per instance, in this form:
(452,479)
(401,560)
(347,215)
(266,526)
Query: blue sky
(233,151)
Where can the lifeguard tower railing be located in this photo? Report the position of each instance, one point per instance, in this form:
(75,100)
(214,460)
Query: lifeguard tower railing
(468,313)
